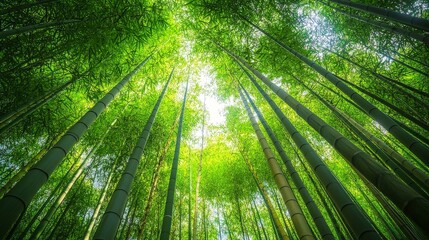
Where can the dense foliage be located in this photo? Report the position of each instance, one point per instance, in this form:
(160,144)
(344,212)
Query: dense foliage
(342,69)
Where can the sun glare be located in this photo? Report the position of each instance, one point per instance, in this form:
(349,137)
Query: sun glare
(213,107)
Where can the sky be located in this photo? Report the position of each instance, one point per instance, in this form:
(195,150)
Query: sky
(215,108)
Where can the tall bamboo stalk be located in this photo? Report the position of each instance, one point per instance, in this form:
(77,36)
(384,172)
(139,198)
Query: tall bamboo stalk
(168,211)
(115,209)
(404,32)
(14,203)
(298,218)
(45,220)
(415,22)
(417,147)
(280,229)
(197,187)
(155,180)
(409,201)
(317,216)
(387,154)
(101,199)
(348,209)
(23,170)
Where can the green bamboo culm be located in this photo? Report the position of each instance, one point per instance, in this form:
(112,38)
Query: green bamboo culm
(417,36)
(16,201)
(403,196)
(413,144)
(298,219)
(14,117)
(415,22)
(357,222)
(83,167)
(265,196)
(101,198)
(168,212)
(317,216)
(390,157)
(115,209)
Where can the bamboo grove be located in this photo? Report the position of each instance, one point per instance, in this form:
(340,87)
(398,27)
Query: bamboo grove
(214,119)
